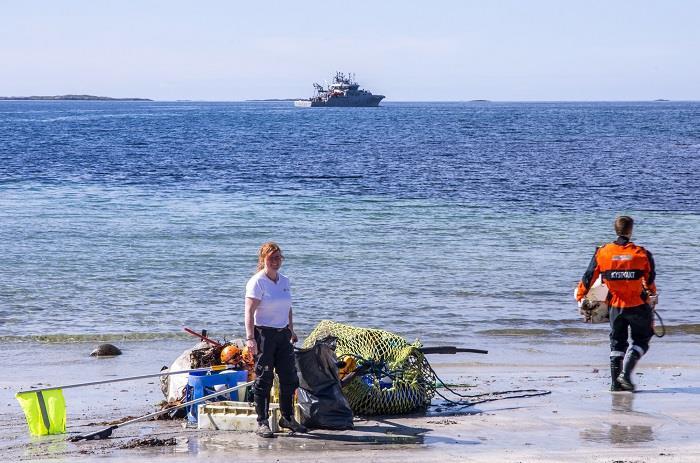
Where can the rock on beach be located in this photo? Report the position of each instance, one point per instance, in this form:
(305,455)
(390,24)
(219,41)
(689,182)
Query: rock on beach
(106,350)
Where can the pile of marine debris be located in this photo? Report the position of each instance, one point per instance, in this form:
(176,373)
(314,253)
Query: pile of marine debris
(205,354)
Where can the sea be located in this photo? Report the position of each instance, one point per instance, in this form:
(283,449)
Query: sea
(442,222)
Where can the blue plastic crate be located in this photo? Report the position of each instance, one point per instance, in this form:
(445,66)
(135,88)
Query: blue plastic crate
(200,384)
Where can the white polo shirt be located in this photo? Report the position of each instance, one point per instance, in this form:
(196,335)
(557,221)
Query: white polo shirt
(275,299)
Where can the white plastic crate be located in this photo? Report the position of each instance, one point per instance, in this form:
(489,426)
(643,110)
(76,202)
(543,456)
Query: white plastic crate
(234,416)
(237,416)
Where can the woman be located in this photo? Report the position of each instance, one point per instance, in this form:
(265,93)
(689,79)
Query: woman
(269,336)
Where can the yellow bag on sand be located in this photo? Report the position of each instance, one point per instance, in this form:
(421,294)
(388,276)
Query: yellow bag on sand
(45,411)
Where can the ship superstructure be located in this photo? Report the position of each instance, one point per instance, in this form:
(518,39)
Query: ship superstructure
(344,91)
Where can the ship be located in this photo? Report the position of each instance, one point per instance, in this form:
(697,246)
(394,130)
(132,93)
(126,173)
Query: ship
(344,91)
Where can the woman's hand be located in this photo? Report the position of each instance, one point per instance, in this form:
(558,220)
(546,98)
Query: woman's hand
(294,337)
(252,347)
(251,305)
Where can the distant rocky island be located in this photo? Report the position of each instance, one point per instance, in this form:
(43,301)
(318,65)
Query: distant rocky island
(71,98)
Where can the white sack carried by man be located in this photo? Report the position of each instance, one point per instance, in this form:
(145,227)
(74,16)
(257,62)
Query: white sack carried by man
(594,306)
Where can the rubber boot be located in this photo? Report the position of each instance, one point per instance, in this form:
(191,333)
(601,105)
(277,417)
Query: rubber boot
(625,378)
(615,370)
(292,424)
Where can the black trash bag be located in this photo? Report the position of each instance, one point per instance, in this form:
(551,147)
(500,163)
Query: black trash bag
(320,396)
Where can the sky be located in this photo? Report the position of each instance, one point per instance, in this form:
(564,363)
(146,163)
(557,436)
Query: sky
(438,50)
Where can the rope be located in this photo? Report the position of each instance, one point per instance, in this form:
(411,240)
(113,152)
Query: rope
(468,403)
(663,327)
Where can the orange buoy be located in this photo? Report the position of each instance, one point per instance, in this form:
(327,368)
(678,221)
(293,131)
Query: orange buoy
(230,354)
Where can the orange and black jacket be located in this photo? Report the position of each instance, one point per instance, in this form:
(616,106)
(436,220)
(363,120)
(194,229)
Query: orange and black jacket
(627,270)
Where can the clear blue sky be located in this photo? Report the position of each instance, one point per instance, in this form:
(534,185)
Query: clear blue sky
(409,51)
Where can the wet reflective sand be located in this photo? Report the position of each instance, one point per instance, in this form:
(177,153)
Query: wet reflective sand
(579,421)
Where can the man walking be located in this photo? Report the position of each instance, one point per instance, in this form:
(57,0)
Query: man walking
(628,271)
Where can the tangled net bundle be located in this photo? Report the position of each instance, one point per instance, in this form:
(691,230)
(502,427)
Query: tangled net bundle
(396,377)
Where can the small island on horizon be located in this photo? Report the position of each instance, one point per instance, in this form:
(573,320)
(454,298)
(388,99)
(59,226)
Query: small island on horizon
(70,98)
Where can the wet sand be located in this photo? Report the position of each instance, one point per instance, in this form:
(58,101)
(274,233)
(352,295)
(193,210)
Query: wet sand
(579,421)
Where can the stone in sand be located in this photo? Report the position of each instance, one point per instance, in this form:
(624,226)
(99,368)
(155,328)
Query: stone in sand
(106,350)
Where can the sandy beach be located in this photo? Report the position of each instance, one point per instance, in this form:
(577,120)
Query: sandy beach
(579,421)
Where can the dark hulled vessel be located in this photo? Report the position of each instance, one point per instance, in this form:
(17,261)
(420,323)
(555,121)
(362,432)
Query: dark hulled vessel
(344,91)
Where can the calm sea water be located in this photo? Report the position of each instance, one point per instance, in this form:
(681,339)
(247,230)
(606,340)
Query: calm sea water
(438,221)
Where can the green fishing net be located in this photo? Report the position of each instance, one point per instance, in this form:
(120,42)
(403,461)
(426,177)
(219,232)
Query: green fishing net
(392,377)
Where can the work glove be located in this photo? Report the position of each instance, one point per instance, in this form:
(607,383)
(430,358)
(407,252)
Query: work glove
(653,300)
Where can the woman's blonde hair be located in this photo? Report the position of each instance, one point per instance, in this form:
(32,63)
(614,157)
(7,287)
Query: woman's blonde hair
(265,250)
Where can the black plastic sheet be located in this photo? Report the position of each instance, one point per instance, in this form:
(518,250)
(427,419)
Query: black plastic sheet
(320,396)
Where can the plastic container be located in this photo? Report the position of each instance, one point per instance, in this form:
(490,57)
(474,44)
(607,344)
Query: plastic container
(234,416)
(237,416)
(242,392)
(200,384)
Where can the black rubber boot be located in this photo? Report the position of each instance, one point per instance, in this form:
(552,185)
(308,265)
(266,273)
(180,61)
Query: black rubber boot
(615,370)
(292,424)
(625,378)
